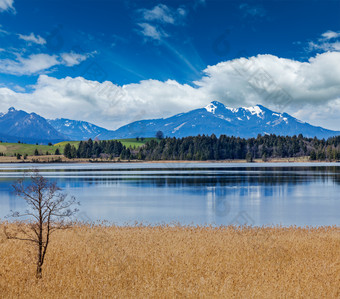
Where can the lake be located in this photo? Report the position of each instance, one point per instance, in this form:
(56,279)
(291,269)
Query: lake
(192,193)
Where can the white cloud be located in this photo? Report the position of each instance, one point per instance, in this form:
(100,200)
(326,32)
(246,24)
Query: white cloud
(325,46)
(30,65)
(154,20)
(312,92)
(33,39)
(329,41)
(71,59)
(6,5)
(330,34)
(164,14)
(37,63)
(151,31)
(160,13)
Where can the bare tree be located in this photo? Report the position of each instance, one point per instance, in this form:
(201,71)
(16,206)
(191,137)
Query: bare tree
(48,209)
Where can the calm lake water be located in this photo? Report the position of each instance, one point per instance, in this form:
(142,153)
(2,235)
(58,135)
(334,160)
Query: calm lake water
(194,193)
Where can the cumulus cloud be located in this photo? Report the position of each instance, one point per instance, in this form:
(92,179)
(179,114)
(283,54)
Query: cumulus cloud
(308,90)
(36,63)
(6,5)
(33,39)
(102,103)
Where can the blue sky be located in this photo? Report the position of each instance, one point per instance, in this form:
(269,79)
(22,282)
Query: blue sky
(175,55)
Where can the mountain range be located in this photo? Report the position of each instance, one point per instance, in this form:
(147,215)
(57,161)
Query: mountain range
(215,118)
(218,119)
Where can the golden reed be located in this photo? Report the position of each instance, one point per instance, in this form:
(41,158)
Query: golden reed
(95,261)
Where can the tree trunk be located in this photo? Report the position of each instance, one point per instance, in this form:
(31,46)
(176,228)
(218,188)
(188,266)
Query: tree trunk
(39,262)
(39,271)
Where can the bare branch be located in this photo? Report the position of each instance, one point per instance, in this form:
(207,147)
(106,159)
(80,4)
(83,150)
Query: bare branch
(48,207)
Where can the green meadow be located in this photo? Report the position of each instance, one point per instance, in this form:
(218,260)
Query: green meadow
(10,149)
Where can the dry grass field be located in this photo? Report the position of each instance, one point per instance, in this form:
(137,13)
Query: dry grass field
(166,262)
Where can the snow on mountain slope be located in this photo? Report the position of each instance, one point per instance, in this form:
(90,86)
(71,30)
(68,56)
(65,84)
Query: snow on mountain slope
(75,129)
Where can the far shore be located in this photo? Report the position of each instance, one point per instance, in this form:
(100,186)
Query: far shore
(51,159)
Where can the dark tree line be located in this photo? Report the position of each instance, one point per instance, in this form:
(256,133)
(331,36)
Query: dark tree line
(202,148)
(97,149)
(225,148)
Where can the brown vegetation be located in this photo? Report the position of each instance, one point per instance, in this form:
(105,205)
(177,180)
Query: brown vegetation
(128,262)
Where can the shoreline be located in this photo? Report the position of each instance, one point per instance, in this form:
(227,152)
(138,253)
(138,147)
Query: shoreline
(62,160)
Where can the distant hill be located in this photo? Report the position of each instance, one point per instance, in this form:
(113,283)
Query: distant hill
(75,129)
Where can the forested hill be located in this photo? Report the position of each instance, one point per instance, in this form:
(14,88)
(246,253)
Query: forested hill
(202,148)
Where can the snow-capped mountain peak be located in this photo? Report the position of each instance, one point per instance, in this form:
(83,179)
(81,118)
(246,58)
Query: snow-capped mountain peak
(214,105)
(218,119)
(244,112)
(211,108)
(255,110)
